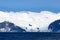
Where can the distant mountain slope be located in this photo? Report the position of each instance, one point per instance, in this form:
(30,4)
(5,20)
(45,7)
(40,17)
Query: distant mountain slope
(10,27)
(55,26)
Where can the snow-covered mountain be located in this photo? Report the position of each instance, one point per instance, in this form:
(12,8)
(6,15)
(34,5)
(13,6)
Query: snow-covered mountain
(10,27)
(29,21)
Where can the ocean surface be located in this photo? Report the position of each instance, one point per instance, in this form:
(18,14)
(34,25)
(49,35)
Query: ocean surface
(29,36)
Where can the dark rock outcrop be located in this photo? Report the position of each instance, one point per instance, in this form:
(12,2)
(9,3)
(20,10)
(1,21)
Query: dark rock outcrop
(55,26)
(10,27)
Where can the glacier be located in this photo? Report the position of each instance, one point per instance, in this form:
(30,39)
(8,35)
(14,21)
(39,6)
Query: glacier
(30,21)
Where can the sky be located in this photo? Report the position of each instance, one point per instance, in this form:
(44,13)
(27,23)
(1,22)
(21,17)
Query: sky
(38,12)
(30,5)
